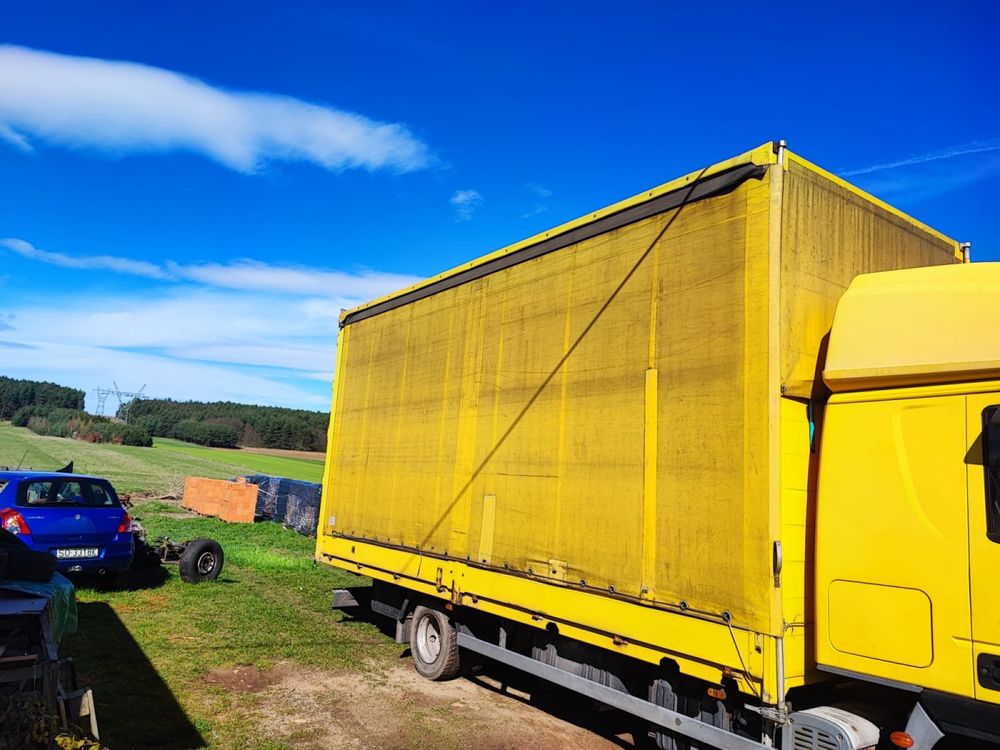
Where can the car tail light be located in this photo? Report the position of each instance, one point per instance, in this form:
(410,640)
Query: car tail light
(13,521)
(126,524)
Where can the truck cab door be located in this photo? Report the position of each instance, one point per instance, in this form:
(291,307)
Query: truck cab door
(983,467)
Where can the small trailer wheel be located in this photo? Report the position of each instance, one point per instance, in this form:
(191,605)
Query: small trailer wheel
(201,560)
(434,644)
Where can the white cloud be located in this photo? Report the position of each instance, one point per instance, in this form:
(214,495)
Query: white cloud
(977,147)
(185,344)
(252,274)
(918,178)
(465,203)
(243,274)
(123,107)
(89,367)
(541,192)
(13,138)
(241,331)
(85,262)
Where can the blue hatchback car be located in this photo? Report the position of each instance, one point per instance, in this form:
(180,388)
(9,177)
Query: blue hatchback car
(77,518)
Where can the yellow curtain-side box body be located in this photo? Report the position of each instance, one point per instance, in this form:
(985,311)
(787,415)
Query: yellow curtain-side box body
(607,426)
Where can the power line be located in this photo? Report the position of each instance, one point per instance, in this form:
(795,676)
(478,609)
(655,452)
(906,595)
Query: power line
(126,399)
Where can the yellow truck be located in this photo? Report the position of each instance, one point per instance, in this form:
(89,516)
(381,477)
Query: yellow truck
(724,456)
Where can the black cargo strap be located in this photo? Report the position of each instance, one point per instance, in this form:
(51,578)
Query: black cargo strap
(707,187)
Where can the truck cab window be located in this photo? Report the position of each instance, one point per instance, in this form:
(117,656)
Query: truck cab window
(991,469)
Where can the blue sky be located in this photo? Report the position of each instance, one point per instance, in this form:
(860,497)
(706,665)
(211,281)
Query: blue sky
(190,192)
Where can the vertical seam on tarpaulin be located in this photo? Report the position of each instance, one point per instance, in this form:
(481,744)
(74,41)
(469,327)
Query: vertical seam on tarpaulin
(649,495)
(647,583)
(494,415)
(468,421)
(402,386)
(443,419)
(563,385)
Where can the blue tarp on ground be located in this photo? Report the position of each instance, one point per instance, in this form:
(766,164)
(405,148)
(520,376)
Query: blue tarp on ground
(288,501)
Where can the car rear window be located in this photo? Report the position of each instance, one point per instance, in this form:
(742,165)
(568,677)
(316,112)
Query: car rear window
(48,492)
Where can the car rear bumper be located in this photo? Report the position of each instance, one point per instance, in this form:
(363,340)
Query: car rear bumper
(112,558)
(111,561)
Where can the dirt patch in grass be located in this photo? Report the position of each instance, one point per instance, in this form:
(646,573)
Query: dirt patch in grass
(309,709)
(247,678)
(312,455)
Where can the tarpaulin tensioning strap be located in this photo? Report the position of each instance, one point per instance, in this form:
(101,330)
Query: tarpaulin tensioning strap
(708,187)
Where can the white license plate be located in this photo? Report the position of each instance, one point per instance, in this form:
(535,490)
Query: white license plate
(75,554)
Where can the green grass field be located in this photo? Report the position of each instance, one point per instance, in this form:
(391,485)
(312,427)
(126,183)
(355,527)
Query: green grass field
(147,649)
(255,660)
(147,652)
(159,470)
(306,469)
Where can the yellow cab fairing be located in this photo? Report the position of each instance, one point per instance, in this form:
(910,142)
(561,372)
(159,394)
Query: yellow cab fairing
(892,550)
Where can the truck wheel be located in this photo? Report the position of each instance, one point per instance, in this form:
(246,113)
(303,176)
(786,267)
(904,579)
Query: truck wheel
(433,644)
(201,561)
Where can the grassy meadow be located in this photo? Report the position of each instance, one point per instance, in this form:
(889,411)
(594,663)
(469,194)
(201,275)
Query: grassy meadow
(158,653)
(152,649)
(159,470)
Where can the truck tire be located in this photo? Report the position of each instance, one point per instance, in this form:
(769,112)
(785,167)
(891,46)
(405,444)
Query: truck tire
(201,561)
(434,644)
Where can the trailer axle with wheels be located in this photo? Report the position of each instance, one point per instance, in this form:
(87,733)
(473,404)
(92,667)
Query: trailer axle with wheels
(197,559)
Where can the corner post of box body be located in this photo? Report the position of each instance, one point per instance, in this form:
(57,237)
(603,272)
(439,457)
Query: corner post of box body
(325,518)
(775,380)
(780,147)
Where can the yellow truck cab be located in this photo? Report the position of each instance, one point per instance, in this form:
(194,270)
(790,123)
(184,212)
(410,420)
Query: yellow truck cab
(908,510)
(722,455)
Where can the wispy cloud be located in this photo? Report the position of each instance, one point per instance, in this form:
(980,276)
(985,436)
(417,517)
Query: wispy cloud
(976,147)
(930,174)
(86,366)
(244,330)
(541,194)
(184,342)
(86,262)
(255,275)
(13,138)
(466,202)
(243,274)
(121,107)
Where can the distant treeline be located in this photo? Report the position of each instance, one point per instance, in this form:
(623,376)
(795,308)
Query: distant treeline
(77,424)
(17,393)
(225,424)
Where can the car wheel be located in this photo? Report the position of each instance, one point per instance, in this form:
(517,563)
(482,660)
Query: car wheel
(434,644)
(201,561)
